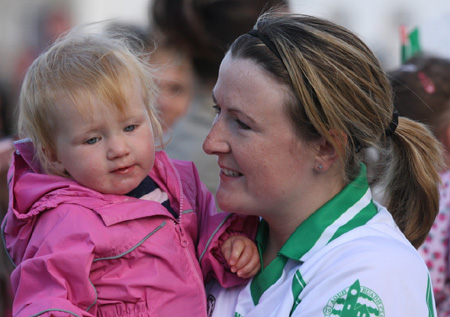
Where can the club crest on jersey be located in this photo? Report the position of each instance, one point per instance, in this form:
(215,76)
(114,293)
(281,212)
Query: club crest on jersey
(355,300)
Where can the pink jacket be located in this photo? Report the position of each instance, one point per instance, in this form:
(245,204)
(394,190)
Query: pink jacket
(81,253)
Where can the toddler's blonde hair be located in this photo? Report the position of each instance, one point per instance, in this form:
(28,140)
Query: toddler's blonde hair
(80,67)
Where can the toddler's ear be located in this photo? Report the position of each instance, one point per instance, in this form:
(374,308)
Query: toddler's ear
(52,158)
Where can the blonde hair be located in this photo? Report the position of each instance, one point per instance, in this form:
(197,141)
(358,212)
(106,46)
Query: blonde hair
(80,66)
(338,88)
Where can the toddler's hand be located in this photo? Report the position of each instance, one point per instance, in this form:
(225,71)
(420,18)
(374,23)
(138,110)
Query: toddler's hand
(241,255)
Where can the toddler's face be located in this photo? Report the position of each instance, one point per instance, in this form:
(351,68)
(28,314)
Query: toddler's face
(110,152)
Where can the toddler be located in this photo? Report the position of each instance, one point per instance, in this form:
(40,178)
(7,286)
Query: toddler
(99,223)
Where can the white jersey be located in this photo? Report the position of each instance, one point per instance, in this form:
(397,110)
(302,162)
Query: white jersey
(348,259)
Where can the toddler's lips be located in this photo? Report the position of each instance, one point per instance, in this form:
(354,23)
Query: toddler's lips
(123,170)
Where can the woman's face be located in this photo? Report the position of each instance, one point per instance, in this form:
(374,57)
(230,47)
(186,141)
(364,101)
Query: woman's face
(264,167)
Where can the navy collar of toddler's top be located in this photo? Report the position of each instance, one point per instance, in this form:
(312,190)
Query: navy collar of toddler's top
(147,186)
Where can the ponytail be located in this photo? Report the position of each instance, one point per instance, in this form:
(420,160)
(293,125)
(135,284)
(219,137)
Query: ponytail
(412,179)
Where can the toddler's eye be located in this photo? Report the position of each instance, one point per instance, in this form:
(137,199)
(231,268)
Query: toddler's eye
(93,140)
(130,128)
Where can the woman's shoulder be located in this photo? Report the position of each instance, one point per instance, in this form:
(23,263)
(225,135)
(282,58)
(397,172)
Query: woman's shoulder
(374,265)
(375,248)
(380,240)
(375,254)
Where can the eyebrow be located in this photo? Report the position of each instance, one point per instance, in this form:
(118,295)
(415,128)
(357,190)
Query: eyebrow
(234,110)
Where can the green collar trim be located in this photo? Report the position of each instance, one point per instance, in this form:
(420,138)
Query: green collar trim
(351,208)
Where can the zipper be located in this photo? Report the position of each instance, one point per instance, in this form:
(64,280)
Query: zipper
(195,265)
(185,242)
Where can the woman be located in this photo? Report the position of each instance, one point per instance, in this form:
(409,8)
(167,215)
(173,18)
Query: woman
(301,106)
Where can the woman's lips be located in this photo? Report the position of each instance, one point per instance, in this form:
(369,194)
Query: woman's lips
(230,172)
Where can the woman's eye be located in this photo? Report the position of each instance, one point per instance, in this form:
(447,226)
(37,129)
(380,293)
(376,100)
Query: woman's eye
(216,109)
(130,128)
(242,125)
(93,140)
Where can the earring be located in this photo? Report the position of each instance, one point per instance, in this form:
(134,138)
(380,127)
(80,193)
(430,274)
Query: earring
(319,167)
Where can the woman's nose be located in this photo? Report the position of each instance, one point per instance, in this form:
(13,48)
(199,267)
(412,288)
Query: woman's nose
(216,141)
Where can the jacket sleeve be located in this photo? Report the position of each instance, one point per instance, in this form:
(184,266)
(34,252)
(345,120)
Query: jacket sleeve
(214,227)
(212,262)
(53,277)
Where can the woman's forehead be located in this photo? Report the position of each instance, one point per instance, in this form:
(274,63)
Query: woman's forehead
(243,80)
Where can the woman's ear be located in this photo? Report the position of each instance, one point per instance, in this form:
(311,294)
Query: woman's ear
(328,152)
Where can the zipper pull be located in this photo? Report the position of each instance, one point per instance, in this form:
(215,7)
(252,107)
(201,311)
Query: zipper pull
(183,240)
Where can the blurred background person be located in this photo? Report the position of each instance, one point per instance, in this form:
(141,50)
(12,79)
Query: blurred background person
(50,20)
(175,79)
(6,147)
(203,30)
(422,92)
(5,158)
(173,70)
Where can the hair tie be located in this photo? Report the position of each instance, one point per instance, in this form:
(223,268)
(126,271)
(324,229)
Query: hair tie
(390,130)
(393,125)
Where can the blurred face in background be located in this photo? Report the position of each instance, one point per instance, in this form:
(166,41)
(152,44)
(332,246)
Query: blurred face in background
(175,79)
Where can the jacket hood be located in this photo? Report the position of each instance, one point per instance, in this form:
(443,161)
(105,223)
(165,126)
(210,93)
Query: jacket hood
(30,187)
(32,192)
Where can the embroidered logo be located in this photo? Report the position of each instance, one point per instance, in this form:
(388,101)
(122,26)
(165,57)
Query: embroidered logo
(355,300)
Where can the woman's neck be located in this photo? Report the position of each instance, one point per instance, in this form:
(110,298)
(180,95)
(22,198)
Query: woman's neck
(279,233)
(286,220)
